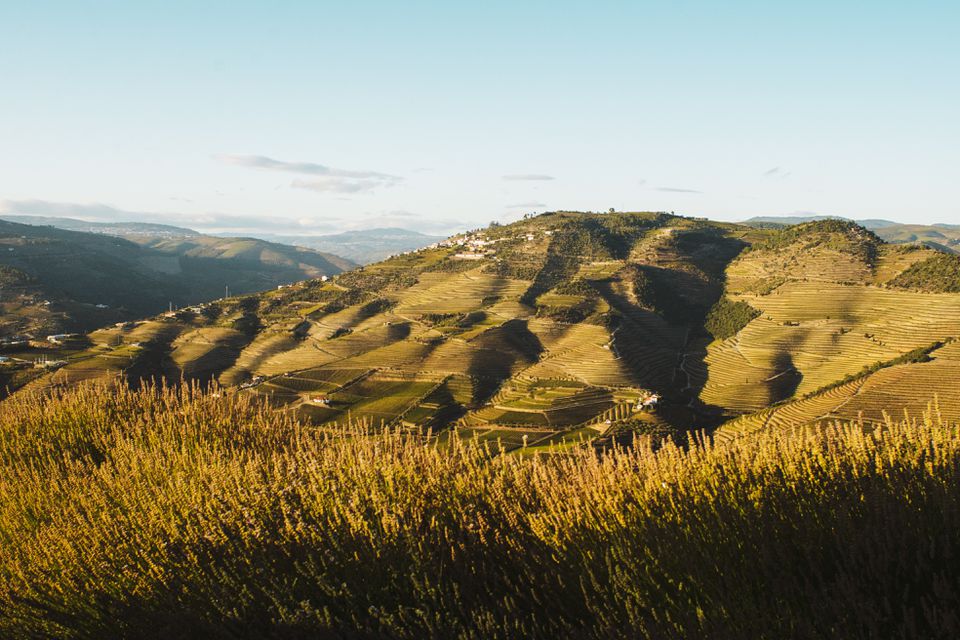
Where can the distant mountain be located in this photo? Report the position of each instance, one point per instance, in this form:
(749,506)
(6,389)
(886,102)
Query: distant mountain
(58,280)
(357,247)
(108,228)
(364,246)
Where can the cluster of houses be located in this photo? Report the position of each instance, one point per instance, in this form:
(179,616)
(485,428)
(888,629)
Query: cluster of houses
(60,338)
(472,246)
(301,282)
(650,401)
(252,382)
(476,246)
(194,309)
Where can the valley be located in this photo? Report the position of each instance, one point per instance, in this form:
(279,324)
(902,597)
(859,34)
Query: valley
(571,327)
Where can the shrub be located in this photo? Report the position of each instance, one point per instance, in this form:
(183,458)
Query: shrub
(938,274)
(726,318)
(180,514)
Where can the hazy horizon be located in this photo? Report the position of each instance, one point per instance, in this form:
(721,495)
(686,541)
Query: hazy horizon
(310,118)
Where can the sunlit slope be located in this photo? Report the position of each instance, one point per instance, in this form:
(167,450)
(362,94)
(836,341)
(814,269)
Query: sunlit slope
(566,324)
(927,382)
(557,323)
(817,324)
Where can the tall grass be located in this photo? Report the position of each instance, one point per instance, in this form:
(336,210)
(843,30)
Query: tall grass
(162,513)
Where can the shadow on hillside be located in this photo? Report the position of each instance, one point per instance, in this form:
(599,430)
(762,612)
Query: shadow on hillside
(500,349)
(787,379)
(681,293)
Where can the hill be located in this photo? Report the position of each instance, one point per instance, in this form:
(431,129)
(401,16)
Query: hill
(108,228)
(66,281)
(363,246)
(941,236)
(469,398)
(563,327)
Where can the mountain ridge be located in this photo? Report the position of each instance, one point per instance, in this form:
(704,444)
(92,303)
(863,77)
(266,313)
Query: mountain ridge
(70,279)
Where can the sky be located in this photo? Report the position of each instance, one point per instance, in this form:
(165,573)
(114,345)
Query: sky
(318,117)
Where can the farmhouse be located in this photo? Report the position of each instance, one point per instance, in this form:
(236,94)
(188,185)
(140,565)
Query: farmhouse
(648,402)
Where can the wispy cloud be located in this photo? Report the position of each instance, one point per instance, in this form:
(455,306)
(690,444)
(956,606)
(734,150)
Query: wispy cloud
(776,172)
(527,205)
(327,180)
(527,177)
(338,185)
(309,168)
(677,190)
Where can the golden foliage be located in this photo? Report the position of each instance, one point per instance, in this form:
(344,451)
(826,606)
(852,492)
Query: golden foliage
(179,513)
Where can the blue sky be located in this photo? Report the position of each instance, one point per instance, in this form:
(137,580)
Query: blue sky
(314,117)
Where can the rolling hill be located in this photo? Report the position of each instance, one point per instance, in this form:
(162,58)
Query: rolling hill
(64,281)
(571,326)
(945,237)
(121,229)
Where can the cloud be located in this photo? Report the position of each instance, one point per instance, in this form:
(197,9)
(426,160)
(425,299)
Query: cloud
(641,182)
(527,205)
(527,177)
(308,168)
(677,190)
(338,185)
(775,172)
(327,180)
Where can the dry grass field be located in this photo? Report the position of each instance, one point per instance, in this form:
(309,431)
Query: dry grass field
(175,513)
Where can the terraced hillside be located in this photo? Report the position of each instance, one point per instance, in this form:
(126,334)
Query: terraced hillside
(572,326)
(818,326)
(922,382)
